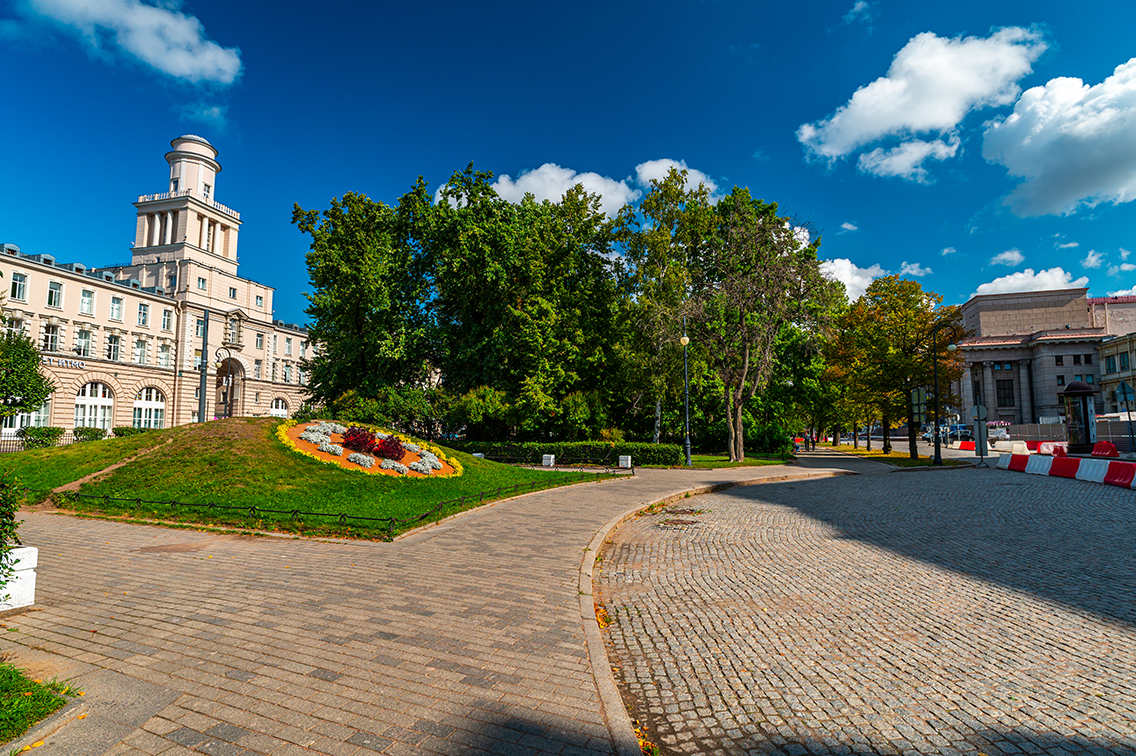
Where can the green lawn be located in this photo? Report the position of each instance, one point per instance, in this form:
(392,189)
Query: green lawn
(897,457)
(717,461)
(240,463)
(24,702)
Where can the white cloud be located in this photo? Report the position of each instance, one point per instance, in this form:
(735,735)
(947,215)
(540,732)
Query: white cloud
(948,251)
(855,279)
(216,117)
(160,35)
(849,227)
(1092,260)
(657,170)
(1071,143)
(1070,245)
(906,160)
(1124,253)
(551,182)
(1116,270)
(1027,280)
(1123,293)
(931,85)
(913,269)
(861,11)
(1010,257)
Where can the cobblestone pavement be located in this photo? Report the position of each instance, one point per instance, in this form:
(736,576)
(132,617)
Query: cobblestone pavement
(462,638)
(945,612)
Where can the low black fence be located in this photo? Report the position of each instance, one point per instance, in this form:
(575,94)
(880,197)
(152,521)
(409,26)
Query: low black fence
(12,444)
(389,524)
(537,460)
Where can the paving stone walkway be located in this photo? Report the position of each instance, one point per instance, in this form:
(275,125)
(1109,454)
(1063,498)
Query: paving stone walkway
(945,612)
(462,638)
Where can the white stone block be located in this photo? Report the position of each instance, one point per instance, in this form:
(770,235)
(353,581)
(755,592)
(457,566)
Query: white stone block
(548,460)
(625,461)
(21,589)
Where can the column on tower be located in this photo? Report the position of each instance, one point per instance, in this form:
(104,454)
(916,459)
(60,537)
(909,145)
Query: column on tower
(1026,391)
(167,232)
(966,389)
(987,384)
(155,228)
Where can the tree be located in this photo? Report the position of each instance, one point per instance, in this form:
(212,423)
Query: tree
(23,388)
(367,300)
(760,274)
(888,338)
(670,227)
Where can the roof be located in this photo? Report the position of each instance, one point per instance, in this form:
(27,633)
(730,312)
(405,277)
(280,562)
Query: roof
(193,138)
(1063,334)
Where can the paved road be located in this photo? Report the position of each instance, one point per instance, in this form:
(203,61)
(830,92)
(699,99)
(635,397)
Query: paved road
(465,638)
(944,612)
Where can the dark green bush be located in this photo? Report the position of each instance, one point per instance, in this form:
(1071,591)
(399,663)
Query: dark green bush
(88,434)
(770,438)
(9,505)
(122,431)
(575,451)
(40,438)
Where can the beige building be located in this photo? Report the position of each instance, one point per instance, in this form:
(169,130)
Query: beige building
(1027,346)
(125,344)
(1116,364)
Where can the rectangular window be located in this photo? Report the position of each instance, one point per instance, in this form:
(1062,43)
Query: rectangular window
(1110,363)
(200,329)
(1059,359)
(19,287)
(274,372)
(1088,379)
(1060,381)
(114,348)
(287,373)
(173,185)
(164,356)
(196,392)
(259,301)
(143,314)
(260,341)
(1079,378)
(274,343)
(232,292)
(1005,393)
(167,320)
(256,366)
(140,352)
(55,294)
(197,359)
(116,308)
(303,349)
(288,346)
(206,188)
(201,283)
(87,302)
(1076,359)
(1124,360)
(1088,359)
(51,338)
(172,282)
(83,344)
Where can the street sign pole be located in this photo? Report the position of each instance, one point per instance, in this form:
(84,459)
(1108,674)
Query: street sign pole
(978,412)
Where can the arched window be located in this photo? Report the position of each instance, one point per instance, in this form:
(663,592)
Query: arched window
(94,406)
(149,408)
(279,408)
(34,419)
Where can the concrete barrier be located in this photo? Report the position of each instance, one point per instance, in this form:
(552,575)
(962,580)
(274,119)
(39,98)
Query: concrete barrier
(1093,470)
(1064,467)
(1120,474)
(1105,449)
(1004,461)
(1019,448)
(1037,464)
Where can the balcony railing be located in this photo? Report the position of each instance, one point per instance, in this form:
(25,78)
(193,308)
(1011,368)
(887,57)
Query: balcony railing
(190,193)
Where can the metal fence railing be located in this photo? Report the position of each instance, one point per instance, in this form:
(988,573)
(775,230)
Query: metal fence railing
(1114,431)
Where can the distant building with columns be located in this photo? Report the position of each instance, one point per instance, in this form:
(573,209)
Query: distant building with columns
(126,344)
(1027,346)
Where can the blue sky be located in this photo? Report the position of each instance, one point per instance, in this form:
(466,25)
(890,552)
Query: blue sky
(975,146)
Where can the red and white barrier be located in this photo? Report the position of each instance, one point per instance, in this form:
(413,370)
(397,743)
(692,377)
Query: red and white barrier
(1037,464)
(1093,470)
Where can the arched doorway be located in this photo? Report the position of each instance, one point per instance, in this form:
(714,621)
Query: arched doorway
(279,408)
(229,384)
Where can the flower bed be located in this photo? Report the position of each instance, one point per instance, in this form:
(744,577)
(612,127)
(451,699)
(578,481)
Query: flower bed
(361,448)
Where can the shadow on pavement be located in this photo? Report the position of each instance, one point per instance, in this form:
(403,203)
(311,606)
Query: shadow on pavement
(988,742)
(1067,541)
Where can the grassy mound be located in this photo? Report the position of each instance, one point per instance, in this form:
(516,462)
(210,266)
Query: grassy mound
(239,463)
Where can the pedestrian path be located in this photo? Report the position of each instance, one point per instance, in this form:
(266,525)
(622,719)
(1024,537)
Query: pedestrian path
(465,637)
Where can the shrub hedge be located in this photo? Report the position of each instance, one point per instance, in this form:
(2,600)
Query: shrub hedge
(40,438)
(574,451)
(122,431)
(88,434)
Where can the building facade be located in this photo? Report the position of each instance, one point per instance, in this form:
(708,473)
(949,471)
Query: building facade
(129,344)
(1027,346)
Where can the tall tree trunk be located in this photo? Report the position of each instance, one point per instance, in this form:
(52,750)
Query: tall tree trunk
(912,430)
(729,423)
(739,434)
(658,418)
(836,435)
(868,435)
(855,433)
(886,422)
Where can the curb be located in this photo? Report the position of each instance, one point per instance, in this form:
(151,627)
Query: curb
(48,727)
(611,702)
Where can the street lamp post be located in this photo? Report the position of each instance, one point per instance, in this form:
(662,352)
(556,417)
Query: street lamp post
(686,391)
(938,459)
